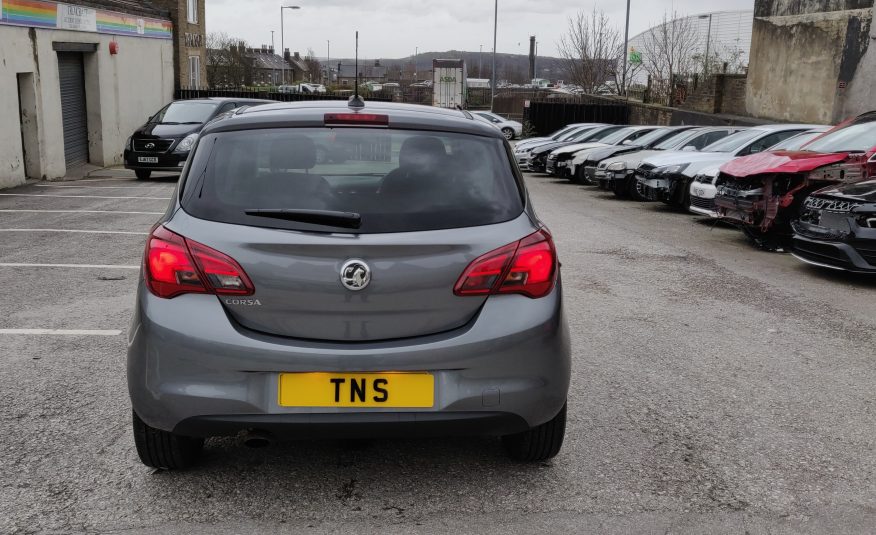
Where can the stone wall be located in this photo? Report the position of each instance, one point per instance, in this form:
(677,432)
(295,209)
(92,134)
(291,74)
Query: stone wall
(806,57)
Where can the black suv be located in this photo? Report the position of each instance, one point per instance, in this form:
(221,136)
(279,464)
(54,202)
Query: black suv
(164,142)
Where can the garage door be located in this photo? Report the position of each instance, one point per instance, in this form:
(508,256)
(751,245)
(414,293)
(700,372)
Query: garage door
(72,76)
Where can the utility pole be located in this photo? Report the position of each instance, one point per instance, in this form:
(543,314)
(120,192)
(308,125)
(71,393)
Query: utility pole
(495,35)
(416,53)
(328,60)
(481,63)
(272,39)
(626,52)
(283,37)
(708,42)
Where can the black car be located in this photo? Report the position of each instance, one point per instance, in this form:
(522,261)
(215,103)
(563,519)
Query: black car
(164,142)
(837,228)
(538,157)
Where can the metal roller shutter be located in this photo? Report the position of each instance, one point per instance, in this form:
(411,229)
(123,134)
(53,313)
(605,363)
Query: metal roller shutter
(71,73)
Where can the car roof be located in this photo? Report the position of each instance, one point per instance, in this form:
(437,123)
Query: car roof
(312,114)
(782,127)
(223,99)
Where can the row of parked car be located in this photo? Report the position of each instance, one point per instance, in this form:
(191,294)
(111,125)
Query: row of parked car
(803,188)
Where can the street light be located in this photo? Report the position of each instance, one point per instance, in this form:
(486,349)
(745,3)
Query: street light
(328,61)
(283,37)
(708,42)
(626,52)
(495,34)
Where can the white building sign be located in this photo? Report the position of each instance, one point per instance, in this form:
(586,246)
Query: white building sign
(77,18)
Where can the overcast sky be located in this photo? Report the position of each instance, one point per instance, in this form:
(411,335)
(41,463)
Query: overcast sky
(393,28)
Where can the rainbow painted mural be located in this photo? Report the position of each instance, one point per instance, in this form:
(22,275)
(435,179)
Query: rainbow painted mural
(44,14)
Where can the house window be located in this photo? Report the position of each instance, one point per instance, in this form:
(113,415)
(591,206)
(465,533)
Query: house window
(194,72)
(192,11)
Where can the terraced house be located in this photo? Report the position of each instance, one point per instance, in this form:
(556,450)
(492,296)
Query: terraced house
(83,75)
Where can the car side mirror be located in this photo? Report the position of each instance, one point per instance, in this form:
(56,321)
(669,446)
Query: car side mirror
(689,148)
(627,142)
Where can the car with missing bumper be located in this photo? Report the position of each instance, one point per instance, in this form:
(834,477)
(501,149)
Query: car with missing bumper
(618,173)
(164,142)
(409,290)
(764,193)
(837,228)
(703,189)
(668,177)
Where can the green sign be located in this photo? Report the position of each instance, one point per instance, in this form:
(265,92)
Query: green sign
(635,57)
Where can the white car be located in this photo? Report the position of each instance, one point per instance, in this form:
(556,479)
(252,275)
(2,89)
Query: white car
(667,177)
(556,136)
(704,189)
(618,173)
(511,129)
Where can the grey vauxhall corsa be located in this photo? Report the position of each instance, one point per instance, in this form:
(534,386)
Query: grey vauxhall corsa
(400,285)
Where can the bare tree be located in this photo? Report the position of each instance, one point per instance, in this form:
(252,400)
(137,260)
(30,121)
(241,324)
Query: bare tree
(593,49)
(227,63)
(670,50)
(314,67)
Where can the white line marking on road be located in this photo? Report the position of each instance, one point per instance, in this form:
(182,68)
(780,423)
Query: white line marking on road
(82,196)
(106,187)
(74,231)
(60,332)
(84,266)
(80,212)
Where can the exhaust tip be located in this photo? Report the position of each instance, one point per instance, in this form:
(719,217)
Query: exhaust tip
(258,439)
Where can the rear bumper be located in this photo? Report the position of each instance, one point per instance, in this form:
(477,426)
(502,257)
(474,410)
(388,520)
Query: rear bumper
(193,370)
(360,425)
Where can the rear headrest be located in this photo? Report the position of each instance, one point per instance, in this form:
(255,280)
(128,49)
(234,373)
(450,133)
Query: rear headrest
(421,151)
(293,152)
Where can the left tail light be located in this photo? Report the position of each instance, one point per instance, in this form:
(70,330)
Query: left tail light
(527,267)
(174,265)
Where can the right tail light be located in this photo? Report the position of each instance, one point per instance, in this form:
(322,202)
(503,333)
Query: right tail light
(527,267)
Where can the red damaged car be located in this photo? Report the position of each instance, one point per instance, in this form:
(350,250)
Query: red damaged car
(764,193)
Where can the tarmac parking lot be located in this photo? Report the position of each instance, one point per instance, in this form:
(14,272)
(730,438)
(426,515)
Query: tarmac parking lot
(716,388)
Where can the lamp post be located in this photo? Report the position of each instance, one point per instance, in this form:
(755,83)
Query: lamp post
(416,63)
(481,63)
(495,34)
(283,37)
(328,60)
(626,52)
(708,42)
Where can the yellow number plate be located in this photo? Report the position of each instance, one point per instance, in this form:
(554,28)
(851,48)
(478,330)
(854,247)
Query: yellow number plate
(392,389)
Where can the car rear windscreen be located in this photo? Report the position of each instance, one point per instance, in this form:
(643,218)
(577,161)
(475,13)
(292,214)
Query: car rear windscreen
(395,180)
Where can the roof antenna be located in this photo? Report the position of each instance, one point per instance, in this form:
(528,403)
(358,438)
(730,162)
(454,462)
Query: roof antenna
(356,101)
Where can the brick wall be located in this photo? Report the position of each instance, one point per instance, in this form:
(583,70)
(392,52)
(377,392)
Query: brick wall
(189,39)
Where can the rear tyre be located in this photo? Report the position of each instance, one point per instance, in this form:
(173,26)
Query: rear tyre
(165,450)
(508,133)
(143,174)
(539,443)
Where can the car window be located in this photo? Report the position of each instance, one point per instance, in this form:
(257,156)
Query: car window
(855,138)
(766,142)
(734,142)
(656,135)
(573,134)
(619,135)
(708,138)
(185,111)
(398,181)
(598,134)
(796,142)
(677,142)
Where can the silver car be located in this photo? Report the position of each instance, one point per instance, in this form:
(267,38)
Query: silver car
(510,129)
(403,287)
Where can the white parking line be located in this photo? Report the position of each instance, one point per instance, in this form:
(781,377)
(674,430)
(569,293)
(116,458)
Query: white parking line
(83,266)
(60,332)
(73,231)
(80,212)
(82,196)
(171,186)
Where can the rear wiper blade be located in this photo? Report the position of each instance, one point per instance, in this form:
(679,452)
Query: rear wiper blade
(316,217)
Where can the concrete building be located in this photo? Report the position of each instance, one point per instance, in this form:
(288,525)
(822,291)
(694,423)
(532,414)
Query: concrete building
(189,41)
(811,61)
(76,80)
